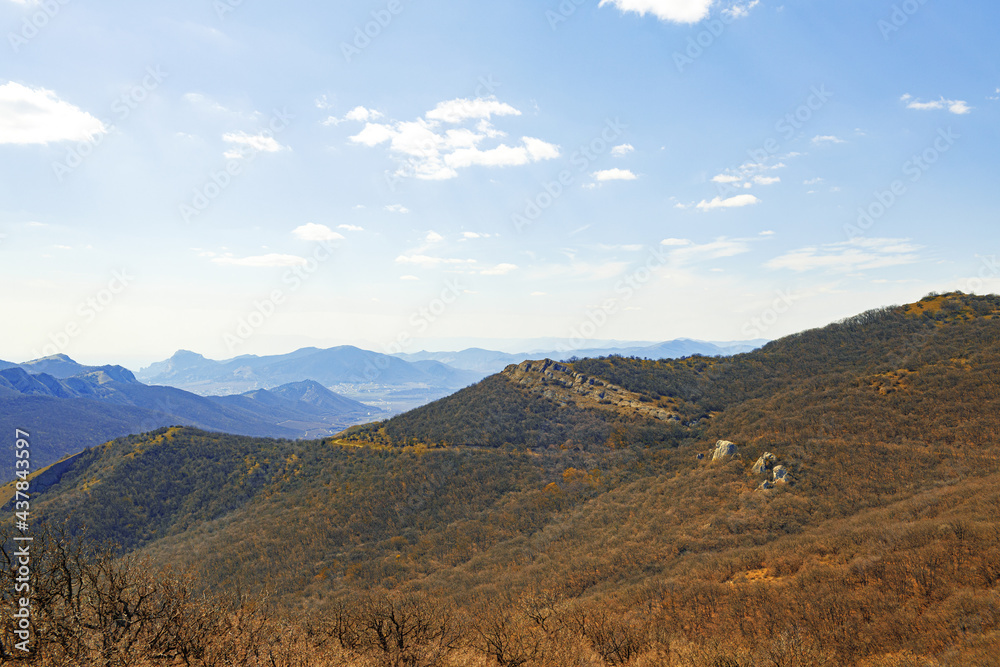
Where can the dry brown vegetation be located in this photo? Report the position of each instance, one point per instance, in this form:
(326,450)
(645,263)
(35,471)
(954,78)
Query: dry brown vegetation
(549,534)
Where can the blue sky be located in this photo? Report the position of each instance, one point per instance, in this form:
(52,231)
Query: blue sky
(250,177)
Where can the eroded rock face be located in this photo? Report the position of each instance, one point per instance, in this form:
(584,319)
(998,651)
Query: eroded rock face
(780,474)
(724,450)
(559,382)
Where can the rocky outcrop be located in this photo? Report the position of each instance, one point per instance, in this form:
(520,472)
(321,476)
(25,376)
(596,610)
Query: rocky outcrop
(560,383)
(780,474)
(774,474)
(724,450)
(764,464)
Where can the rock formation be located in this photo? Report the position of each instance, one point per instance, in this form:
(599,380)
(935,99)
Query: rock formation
(724,450)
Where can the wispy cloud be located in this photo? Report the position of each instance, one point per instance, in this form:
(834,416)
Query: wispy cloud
(622,150)
(428,261)
(262,261)
(739,11)
(959,107)
(397,208)
(38,116)
(499,270)
(827,139)
(687,252)
(855,255)
(245,145)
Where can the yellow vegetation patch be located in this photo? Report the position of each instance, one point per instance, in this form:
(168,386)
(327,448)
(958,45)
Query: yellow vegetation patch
(890,382)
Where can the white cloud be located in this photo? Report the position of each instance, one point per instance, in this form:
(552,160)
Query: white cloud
(732,202)
(766,180)
(262,261)
(855,255)
(427,151)
(358,114)
(38,116)
(433,237)
(499,270)
(677,11)
(408,278)
(623,150)
(397,208)
(456,111)
(373,134)
(475,235)
(245,145)
(827,139)
(726,178)
(351,228)
(315,232)
(503,155)
(675,242)
(614,175)
(540,150)
(959,107)
(812,181)
(740,11)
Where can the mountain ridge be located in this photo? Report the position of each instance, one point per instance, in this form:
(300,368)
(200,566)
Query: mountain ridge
(531,509)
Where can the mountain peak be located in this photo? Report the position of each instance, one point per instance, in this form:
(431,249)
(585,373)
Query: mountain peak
(54,357)
(186,355)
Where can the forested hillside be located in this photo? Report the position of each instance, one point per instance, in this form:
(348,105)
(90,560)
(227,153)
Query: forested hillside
(587,513)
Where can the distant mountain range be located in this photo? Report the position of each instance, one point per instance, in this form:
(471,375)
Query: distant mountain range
(489,361)
(343,365)
(348,366)
(307,393)
(76,406)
